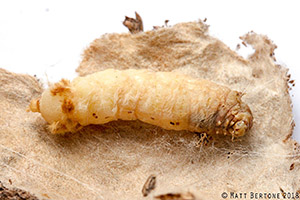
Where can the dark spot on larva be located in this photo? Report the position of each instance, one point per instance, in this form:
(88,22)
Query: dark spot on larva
(177,123)
(292,166)
(60,87)
(229,153)
(67,106)
(172,123)
(152,118)
(106,117)
(94,115)
(129,112)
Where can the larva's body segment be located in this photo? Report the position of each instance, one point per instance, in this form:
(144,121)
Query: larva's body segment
(170,100)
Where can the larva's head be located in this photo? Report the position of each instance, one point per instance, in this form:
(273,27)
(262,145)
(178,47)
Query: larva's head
(55,105)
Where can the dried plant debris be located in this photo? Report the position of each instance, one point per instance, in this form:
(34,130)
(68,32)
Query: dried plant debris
(149,185)
(134,25)
(15,194)
(292,166)
(291,83)
(163,26)
(176,196)
(166,22)
(238,46)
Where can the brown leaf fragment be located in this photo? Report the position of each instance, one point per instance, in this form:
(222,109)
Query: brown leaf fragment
(134,25)
(176,196)
(149,185)
(140,21)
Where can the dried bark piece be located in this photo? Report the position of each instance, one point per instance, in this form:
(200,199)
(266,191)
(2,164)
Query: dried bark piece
(134,25)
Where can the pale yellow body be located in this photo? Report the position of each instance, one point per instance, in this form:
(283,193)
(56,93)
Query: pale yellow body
(167,99)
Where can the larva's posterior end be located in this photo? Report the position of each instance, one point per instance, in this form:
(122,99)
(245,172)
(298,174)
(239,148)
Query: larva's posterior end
(242,121)
(239,129)
(237,122)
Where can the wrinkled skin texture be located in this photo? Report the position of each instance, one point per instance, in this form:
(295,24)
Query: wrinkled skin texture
(167,99)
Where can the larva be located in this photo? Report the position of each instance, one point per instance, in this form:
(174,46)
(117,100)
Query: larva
(170,100)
